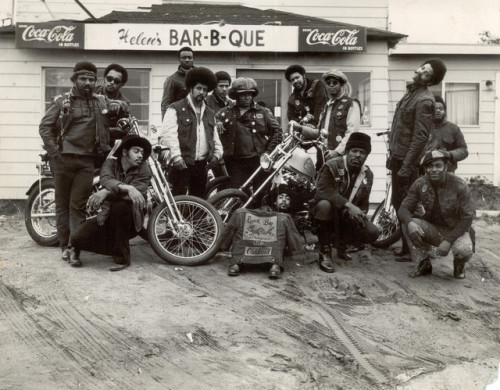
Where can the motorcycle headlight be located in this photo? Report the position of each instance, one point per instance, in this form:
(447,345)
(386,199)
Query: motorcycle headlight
(265,161)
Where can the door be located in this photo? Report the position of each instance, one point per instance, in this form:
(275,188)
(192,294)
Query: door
(273,91)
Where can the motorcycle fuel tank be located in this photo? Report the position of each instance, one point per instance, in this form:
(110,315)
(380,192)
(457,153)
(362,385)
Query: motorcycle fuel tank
(301,163)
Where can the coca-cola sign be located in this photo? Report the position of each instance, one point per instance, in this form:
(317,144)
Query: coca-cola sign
(54,35)
(333,39)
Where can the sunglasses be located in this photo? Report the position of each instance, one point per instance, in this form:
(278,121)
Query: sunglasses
(111,79)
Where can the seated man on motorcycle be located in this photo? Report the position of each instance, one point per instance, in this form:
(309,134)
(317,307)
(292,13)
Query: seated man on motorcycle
(120,205)
(342,200)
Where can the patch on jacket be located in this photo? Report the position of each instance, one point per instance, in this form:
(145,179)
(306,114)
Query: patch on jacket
(425,188)
(259,228)
(338,138)
(297,102)
(259,116)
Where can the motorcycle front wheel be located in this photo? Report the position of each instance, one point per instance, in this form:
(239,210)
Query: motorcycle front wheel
(40,214)
(226,202)
(388,223)
(216,185)
(194,239)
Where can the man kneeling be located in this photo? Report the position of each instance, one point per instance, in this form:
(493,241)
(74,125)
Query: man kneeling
(447,220)
(342,201)
(121,204)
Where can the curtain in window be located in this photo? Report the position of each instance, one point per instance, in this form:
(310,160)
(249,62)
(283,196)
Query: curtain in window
(462,103)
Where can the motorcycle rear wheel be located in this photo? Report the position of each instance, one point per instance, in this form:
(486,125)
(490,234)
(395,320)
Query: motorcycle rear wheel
(39,215)
(388,223)
(194,240)
(227,202)
(216,185)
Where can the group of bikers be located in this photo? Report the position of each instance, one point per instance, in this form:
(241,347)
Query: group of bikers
(207,117)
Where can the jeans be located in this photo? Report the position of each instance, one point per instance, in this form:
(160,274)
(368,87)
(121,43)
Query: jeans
(113,237)
(73,175)
(193,178)
(433,236)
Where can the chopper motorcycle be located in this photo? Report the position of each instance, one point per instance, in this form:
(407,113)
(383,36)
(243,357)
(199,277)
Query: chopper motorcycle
(183,230)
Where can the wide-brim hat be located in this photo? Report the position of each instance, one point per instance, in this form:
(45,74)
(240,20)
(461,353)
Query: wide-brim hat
(241,85)
(431,156)
(201,75)
(134,140)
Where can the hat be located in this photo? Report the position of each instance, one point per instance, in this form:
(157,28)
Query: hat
(336,74)
(431,156)
(294,69)
(242,84)
(84,67)
(359,140)
(221,75)
(201,75)
(134,140)
(439,70)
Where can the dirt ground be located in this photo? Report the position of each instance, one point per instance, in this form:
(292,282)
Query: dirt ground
(159,326)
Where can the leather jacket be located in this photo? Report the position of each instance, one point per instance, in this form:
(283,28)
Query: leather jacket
(411,126)
(265,131)
(312,102)
(174,89)
(260,236)
(333,183)
(457,208)
(447,135)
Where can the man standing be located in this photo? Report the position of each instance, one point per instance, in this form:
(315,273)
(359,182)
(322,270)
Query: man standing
(115,77)
(188,129)
(121,202)
(74,133)
(447,221)
(308,97)
(341,115)
(447,137)
(174,88)
(410,130)
(218,99)
(342,201)
(246,130)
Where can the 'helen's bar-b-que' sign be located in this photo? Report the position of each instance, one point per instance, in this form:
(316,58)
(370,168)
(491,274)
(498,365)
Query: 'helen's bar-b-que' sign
(171,37)
(58,35)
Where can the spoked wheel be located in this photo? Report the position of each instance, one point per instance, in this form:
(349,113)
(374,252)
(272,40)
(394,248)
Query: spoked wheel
(388,224)
(216,185)
(194,239)
(227,202)
(40,214)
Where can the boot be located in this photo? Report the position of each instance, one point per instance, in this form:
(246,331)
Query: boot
(121,262)
(74,257)
(423,268)
(234,270)
(325,259)
(274,272)
(341,252)
(403,254)
(65,254)
(459,268)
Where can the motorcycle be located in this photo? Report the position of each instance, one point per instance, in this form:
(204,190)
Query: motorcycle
(183,230)
(289,164)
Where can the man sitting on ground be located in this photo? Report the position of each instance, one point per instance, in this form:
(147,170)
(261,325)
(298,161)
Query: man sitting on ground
(342,201)
(447,221)
(121,204)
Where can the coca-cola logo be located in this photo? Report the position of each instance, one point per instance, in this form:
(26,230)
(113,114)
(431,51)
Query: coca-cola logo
(342,37)
(59,33)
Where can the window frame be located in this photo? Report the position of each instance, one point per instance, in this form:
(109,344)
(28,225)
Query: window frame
(44,99)
(478,83)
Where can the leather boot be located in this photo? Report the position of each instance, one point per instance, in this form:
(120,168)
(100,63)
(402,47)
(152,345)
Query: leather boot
(234,270)
(121,262)
(403,254)
(274,272)
(325,259)
(341,252)
(65,254)
(459,268)
(74,257)
(423,268)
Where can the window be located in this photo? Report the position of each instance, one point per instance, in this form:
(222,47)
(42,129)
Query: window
(270,95)
(360,88)
(462,103)
(57,82)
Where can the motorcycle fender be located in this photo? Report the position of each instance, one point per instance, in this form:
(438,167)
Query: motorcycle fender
(35,184)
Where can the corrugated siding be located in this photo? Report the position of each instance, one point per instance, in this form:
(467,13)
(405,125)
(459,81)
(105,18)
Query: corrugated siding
(21,92)
(480,139)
